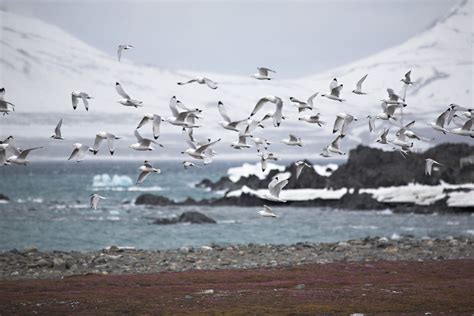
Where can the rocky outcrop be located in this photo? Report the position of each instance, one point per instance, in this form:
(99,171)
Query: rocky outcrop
(192,217)
(4,197)
(151,199)
(371,168)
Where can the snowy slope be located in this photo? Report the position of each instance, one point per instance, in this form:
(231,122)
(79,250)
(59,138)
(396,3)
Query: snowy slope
(40,65)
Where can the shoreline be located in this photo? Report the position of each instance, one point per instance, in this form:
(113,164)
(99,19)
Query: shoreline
(34,264)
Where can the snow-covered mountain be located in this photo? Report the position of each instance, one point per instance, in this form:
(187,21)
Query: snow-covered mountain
(40,65)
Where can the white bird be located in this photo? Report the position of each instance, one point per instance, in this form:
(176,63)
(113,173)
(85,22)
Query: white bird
(334,91)
(145,170)
(293,141)
(388,113)
(342,122)
(439,124)
(241,143)
(301,105)
(77,95)
(383,137)
(122,48)
(188,164)
(79,151)
(394,98)
(300,164)
(277,115)
(228,123)
(325,153)
(274,188)
(261,142)
(94,200)
(313,119)
(4,105)
(203,152)
(358,89)
(267,212)
(201,80)
(99,137)
(465,130)
(454,108)
(156,123)
(57,130)
(429,165)
(181,118)
(21,158)
(262,73)
(407,79)
(143,144)
(3,154)
(408,132)
(127,100)
(334,146)
(401,141)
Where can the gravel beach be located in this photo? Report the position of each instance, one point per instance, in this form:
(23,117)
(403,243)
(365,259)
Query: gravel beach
(34,264)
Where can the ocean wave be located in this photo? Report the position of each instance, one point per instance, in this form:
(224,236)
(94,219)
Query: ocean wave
(106,181)
(145,189)
(4,202)
(363,226)
(470,231)
(385,212)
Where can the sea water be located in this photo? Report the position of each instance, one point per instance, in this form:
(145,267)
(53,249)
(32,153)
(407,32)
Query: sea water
(49,209)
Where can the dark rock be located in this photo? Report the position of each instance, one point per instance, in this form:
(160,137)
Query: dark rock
(151,199)
(192,217)
(362,201)
(4,197)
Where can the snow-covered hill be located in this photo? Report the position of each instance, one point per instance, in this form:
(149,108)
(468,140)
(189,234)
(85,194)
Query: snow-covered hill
(41,64)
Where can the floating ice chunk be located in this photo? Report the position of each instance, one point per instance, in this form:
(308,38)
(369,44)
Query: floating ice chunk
(104,181)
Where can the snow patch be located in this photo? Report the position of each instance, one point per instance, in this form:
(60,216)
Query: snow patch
(248,169)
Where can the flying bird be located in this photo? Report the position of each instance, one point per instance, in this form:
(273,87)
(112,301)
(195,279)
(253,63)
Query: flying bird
(293,141)
(4,105)
(99,137)
(429,165)
(201,80)
(145,170)
(407,79)
(156,119)
(57,130)
(440,121)
(127,100)
(79,151)
(277,115)
(21,158)
(228,123)
(334,91)
(274,188)
(121,48)
(94,200)
(334,146)
(77,95)
(358,89)
(143,144)
(262,73)
(342,122)
(300,164)
(301,105)
(267,212)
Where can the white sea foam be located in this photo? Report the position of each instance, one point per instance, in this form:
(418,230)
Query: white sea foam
(294,194)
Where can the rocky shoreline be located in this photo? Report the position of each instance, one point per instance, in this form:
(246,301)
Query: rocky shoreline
(34,264)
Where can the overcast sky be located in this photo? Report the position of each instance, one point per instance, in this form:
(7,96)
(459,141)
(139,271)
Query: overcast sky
(296,38)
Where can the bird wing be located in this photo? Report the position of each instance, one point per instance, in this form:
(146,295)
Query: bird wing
(391,95)
(142,176)
(173,107)
(337,90)
(338,124)
(275,190)
(468,125)
(407,76)
(401,135)
(267,209)
(310,99)
(333,84)
(3,158)
(223,112)
(110,142)
(147,164)
(120,91)
(242,139)
(97,142)
(211,84)
(293,138)
(410,125)
(441,119)
(25,152)
(138,136)
(390,109)
(335,143)
(299,168)
(428,166)
(263,163)
(203,147)
(75,101)
(259,105)
(360,82)
(371,124)
(57,130)
(144,120)
(278,115)
(156,126)
(94,201)
(84,97)
(264,71)
(119,52)
(74,154)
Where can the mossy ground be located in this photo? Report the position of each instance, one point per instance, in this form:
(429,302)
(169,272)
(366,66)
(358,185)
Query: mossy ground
(399,287)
